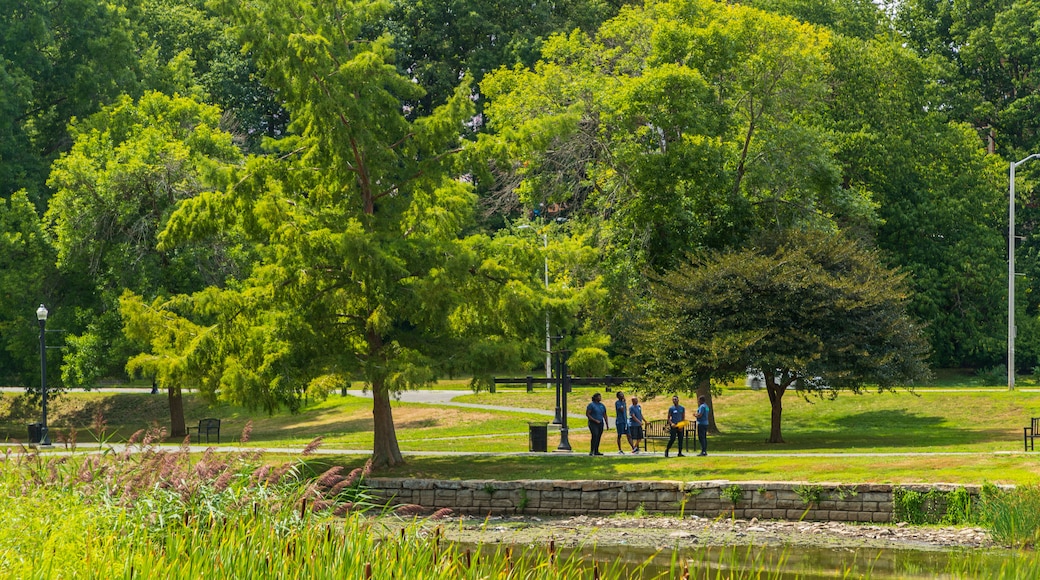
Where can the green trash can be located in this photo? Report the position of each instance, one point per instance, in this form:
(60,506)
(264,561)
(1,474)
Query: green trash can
(538,437)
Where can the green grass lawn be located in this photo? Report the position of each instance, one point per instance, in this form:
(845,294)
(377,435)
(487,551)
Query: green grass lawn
(983,423)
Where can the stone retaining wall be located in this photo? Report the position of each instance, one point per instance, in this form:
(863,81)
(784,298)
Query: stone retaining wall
(764,500)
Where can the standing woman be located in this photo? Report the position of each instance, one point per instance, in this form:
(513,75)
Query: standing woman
(635,423)
(597,415)
(621,422)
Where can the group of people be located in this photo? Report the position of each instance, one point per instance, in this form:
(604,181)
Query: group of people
(629,423)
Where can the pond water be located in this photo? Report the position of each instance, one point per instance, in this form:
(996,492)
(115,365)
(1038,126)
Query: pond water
(807,563)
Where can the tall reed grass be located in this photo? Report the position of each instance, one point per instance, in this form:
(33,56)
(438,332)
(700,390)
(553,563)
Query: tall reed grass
(155,513)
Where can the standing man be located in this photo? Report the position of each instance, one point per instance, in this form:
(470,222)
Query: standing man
(635,423)
(597,414)
(621,422)
(676,425)
(702,425)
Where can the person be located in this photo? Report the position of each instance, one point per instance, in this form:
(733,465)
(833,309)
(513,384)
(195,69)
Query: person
(596,411)
(676,425)
(635,423)
(702,425)
(621,422)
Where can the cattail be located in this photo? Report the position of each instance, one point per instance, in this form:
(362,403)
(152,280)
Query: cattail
(368,571)
(312,446)
(441,514)
(247,431)
(595,571)
(469,561)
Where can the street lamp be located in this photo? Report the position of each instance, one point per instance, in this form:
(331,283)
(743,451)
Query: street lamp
(548,342)
(41,315)
(1011,271)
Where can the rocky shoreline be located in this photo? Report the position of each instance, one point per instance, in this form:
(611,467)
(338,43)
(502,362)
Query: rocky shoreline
(693,531)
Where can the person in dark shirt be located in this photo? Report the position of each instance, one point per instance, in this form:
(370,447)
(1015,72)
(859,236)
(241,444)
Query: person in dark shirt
(621,422)
(702,425)
(596,411)
(677,425)
(635,423)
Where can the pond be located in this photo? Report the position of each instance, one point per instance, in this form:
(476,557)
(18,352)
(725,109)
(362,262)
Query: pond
(804,563)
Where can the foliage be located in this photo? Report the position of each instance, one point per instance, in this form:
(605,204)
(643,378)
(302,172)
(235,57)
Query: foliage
(810,494)
(129,166)
(360,221)
(589,362)
(732,493)
(1012,515)
(812,311)
(954,507)
(27,276)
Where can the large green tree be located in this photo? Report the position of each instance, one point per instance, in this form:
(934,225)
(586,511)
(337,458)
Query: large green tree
(358,222)
(130,165)
(811,311)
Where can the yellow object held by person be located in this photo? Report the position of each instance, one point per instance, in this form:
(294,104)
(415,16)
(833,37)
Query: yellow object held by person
(681,424)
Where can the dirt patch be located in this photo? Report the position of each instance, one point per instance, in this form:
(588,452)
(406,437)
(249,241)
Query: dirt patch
(663,532)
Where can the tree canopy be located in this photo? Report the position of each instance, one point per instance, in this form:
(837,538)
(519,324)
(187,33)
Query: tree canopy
(808,310)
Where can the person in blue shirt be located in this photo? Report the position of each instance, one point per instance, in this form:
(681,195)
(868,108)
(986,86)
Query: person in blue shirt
(621,422)
(635,423)
(676,416)
(596,411)
(702,425)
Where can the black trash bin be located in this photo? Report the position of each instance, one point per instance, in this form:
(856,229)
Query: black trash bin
(538,437)
(35,432)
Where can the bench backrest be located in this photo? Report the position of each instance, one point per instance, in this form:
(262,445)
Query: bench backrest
(209,424)
(1036,425)
(656,428)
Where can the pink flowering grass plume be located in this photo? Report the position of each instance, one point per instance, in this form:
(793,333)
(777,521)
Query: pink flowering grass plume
(312,446)
(441,514)
(331,477)
(343,508)
(409,509)
(366,471)
(247,432)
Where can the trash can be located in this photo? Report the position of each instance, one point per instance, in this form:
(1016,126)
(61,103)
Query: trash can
(35,432)
(538,437)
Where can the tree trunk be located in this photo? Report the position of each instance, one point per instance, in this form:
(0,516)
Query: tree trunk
(176,400)
(704,390)
(776,393)
(385,451)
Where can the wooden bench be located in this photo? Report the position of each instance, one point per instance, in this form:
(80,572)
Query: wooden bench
(1028,433)
(658,430)
(208,427)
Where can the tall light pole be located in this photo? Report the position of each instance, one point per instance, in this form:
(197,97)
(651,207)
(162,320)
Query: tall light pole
(548,341)
(41,316)
(1011,271)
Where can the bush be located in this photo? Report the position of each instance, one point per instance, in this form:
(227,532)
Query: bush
(589,362)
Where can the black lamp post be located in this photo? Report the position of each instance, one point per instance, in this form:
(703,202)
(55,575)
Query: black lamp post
(41,315)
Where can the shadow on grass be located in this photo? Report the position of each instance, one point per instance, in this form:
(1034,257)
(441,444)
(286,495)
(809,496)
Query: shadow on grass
(897,429)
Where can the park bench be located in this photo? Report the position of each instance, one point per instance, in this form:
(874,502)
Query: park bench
(657,430)
(208,427)
(1033,430)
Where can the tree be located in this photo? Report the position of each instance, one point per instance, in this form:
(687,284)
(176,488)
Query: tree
(357,220)
(130,165)
(27,278)
(60,59)
(809,310)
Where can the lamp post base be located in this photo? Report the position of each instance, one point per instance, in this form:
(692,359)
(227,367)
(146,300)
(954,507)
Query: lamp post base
(565,443)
